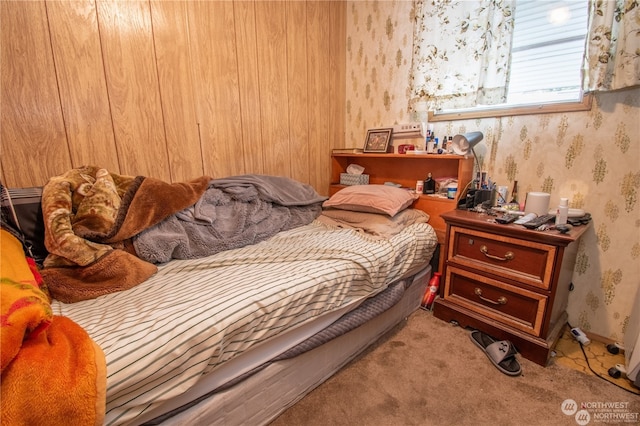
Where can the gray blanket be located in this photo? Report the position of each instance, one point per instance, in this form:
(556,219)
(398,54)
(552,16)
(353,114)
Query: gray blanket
(232,213)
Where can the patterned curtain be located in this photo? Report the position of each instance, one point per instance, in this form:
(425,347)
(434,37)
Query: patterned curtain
(612,54)
(461,52)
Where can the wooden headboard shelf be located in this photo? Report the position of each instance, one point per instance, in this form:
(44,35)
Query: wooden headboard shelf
(406,169)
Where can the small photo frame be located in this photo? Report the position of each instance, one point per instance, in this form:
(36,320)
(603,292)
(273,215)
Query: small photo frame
(377,140)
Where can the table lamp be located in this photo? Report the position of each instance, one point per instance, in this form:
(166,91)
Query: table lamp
(462,144)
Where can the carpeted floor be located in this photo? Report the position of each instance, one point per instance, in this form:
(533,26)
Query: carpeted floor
(428,372)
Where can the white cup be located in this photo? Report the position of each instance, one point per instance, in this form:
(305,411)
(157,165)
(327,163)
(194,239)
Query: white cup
(537,202)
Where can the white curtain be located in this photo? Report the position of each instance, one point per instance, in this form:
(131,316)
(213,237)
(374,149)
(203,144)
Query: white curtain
(461,52)
(612,54)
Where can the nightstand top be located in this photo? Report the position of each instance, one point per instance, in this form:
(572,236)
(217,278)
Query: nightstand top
(486,223)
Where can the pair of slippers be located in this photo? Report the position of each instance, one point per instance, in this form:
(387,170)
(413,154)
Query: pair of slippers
(501,353)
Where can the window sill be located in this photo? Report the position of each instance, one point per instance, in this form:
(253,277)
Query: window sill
(583,105)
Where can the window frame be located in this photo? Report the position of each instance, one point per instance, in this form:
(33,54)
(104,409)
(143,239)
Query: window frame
(509,110)
(584,103)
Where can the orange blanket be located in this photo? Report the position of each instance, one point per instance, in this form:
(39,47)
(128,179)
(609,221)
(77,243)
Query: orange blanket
(52,372)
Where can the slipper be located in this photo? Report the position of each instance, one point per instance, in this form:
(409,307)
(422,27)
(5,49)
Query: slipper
(501,353)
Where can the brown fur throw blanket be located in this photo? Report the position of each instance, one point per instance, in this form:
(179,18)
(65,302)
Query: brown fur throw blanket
(105,231)
(90,216)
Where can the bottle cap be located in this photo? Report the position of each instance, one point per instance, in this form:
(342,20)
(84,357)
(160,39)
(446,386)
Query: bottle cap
(564,202)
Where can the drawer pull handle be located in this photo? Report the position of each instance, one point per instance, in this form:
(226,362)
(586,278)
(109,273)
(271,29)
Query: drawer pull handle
(501,300)
(507,256)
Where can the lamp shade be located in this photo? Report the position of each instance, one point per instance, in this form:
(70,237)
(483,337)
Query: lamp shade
(464,143)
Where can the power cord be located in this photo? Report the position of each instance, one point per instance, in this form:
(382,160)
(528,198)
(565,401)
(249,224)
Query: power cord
(606,379)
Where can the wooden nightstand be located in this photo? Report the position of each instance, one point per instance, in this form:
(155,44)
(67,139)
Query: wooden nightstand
(507,281)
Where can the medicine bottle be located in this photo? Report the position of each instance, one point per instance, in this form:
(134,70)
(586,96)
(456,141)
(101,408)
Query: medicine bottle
(563,211)
(429,185)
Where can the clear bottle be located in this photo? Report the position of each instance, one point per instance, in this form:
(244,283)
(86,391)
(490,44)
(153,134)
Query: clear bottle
(514,192)
(429,185)
(562,212)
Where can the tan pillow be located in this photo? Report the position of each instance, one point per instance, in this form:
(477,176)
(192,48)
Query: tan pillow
(382,199)
(379,225)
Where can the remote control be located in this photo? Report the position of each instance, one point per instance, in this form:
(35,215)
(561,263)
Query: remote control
(582,220)
(526,218)
(540,220)
(575,221)
(507,218)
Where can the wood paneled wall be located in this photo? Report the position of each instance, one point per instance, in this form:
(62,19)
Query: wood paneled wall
(171,89)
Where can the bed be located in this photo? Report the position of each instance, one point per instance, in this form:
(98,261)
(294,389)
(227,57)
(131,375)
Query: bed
(239,335)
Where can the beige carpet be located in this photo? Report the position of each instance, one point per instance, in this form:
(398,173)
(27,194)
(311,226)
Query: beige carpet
(428,372)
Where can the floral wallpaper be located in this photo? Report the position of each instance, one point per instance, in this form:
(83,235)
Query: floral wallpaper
(591,157)
(379,43)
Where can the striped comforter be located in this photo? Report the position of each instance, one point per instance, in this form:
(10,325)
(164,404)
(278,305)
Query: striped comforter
(193,315)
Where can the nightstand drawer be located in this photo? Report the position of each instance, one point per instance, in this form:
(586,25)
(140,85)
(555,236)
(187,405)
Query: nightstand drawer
(524,261)
(508,304)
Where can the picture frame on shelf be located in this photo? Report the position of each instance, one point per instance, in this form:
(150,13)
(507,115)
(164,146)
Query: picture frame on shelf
(378,140)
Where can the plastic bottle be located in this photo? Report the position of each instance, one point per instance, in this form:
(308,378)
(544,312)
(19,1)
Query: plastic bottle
(430,146)
(514,192)
(432,290)
(429,185)
(562,212)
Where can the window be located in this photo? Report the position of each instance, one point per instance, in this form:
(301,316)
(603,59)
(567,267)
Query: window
(546,59)
(546,54)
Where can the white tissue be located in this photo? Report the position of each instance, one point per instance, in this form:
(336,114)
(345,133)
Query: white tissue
(355,169)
